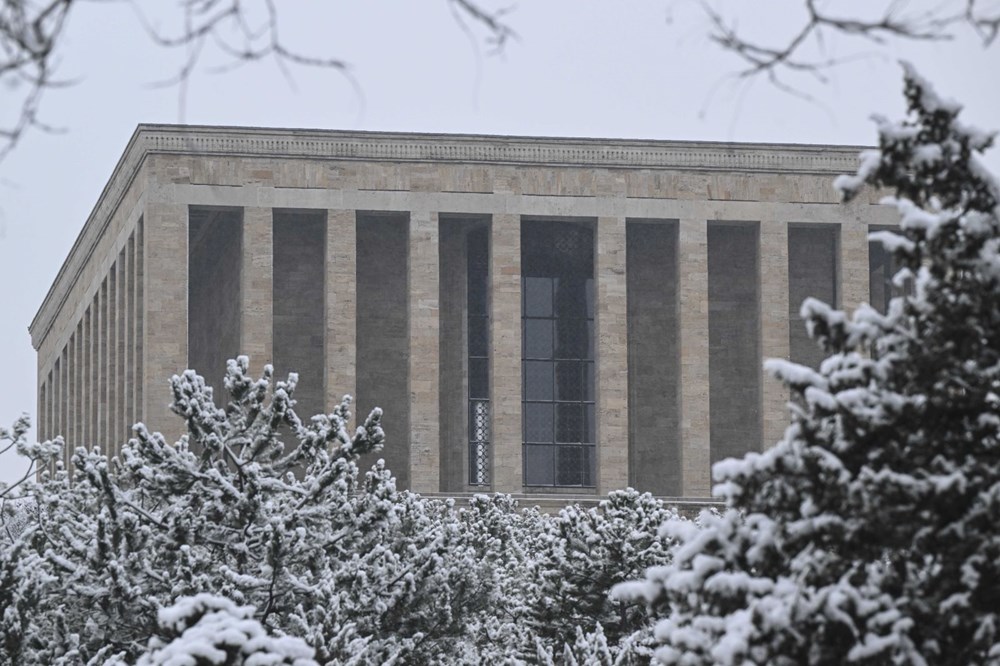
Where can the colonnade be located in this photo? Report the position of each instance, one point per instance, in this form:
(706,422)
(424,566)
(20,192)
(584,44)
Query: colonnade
(133,335)
(89,394)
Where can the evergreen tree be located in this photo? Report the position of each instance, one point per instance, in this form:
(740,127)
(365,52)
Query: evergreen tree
(583,553)
(871,533)
(505,540)
(213,631)
(252,505)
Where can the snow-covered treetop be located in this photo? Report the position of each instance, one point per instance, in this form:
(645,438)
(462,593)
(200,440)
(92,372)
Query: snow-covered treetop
(868,534)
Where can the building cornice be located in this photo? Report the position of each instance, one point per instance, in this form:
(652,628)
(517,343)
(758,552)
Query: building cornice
(501,150)
(428,148)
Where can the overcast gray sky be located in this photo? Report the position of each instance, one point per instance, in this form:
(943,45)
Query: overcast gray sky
(580,68)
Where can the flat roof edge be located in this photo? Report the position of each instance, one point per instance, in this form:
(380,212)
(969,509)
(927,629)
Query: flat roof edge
(304,133)
(150,139)
(475,148)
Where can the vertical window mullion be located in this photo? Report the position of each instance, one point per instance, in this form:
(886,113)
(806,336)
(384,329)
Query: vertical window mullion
(477,323)
(561,254)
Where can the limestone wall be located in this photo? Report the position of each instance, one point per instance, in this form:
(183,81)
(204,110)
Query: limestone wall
(299,313)
(383,334)
(215,247)
(344,261)
(812,272)
(653,357)
(734,360)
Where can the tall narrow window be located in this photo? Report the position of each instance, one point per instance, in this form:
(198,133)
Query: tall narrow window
(653,357)
(215,241)
(383,376)
(882,269)
(43,408)
(299,248)
(812,272)
(557,312)
(734,366)
(478,322)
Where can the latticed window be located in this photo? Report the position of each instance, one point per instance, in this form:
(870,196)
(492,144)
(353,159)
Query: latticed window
(557,313)
(478,321)
(882,267)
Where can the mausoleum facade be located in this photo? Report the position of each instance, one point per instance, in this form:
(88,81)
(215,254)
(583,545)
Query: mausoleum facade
(534,315)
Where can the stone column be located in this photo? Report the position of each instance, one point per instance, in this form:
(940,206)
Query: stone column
(102,364)
(121,352)
(90,383)
(853,265)
(136,322)
(51,431)
(140,322)
(95,359)
(81,385)
(73,418)
(41,406)
(128,414)
(456,418)
(80,388)
(114,385)
(505,353)
(165,333)
(45,410)
(94,373)
(693,305)
(341,308)
(612,356)
(256,277)
(424,381)
(64,404)
(774,324)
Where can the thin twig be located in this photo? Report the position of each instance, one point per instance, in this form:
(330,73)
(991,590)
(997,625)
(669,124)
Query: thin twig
(31,33)
(775,62)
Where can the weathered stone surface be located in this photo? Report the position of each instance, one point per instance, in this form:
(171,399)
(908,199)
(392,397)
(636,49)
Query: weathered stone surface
(612,356)
(734,359)
(383,334)
(256,278)
(390,298)
(424,332)
(453,355)
(165,257)
(653,357)
(853,264)
(693,307)
(340,313)
(774,324)
(505,347)
(298,307)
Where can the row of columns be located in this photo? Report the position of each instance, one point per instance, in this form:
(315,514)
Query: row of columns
(90,395)
(166,334)
(774,308)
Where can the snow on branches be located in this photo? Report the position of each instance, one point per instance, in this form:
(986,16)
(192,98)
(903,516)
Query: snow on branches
(869,533)
(206,629)
(252,505)
(254,539)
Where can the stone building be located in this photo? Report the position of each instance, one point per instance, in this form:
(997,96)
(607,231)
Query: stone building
(547,316)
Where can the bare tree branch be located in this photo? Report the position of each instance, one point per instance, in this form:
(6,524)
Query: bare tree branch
(896,21)
(499,31)
(29,33)
(245,31)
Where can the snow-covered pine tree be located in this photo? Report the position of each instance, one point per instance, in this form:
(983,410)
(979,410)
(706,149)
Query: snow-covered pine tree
(505,540)
(213,631)
(39,455)
(252,505)
(581,554)
(871,533)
